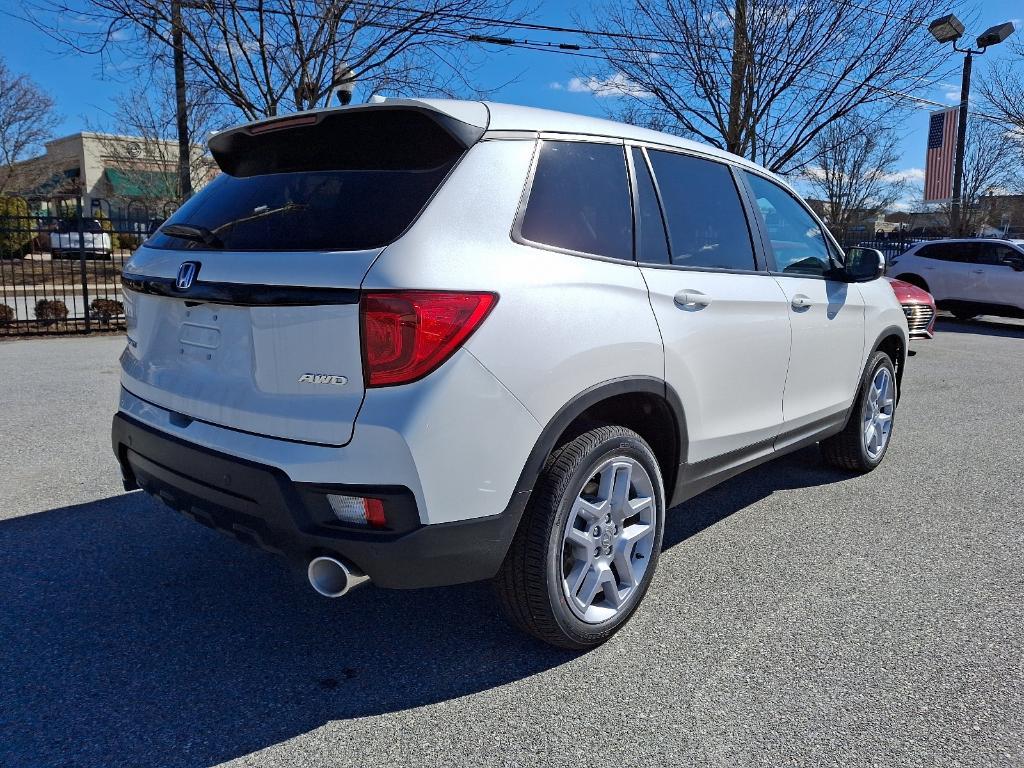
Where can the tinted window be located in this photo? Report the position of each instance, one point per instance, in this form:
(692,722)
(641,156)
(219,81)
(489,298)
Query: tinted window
(797,240)
(652,245)
(580,199)
(994,254)
(946,251)
(706,223)
(315,211)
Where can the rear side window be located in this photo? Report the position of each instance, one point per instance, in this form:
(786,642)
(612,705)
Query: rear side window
(579,200)
(352,182)
(706,223)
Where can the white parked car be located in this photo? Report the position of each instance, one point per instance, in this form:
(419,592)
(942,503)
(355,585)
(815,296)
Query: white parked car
(967,277)
(65,241)
(431,342)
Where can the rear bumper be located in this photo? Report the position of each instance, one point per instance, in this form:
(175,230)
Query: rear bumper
(261,505)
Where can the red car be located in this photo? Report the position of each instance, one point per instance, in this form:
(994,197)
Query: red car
(918,306)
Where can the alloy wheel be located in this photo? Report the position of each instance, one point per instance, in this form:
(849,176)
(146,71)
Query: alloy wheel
(878,412)
(608,539)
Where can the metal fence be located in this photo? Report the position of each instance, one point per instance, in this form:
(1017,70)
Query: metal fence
(60,267)
(891,245)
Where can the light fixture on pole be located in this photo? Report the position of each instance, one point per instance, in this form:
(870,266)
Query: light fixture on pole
(949,29)
(344,83)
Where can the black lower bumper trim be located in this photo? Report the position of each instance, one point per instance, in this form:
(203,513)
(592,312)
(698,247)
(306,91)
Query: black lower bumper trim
(262,506)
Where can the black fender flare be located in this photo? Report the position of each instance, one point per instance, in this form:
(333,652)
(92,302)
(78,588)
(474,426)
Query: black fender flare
(892,330)
(572,410)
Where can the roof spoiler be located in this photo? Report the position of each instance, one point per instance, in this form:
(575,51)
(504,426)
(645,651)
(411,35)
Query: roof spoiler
(384,136)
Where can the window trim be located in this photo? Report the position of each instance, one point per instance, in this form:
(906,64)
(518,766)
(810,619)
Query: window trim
(760,265)
(637,223)
(831,246)
(524,198)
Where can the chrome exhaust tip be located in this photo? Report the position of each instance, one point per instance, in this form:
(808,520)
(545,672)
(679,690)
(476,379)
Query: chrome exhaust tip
(333,578)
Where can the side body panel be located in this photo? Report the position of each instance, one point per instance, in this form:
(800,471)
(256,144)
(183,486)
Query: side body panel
(726,359)
(828,347)
(563,322)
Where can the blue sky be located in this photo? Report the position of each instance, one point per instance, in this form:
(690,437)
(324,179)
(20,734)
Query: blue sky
(85,96)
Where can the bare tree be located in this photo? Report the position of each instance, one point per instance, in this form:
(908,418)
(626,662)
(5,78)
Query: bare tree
(854,171)
(143,145)
(762,78)
(27,119)
(1002,89)
(991,165)
(267,56)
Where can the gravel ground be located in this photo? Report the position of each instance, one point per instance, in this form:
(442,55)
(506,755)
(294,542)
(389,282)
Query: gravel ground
(799,616)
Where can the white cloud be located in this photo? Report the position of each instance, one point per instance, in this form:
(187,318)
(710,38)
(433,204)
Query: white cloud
(603,87)
(907,175)
(952,96)
(556,86)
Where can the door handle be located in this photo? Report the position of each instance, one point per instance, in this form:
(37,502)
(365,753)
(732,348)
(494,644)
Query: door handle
(691,299)
(801,302)
(978,271)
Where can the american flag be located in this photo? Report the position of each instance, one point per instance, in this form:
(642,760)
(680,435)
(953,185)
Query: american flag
(938,166)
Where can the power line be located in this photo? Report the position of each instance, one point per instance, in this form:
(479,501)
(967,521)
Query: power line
(578,50)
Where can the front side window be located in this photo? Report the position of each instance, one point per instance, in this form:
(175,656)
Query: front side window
(706,223)
(995,254)
(797,240)
(580,200)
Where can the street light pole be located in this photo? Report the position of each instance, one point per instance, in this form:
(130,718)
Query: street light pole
(949,29)
(961,142)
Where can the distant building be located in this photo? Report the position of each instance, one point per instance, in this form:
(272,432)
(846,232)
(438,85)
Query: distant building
(118,175)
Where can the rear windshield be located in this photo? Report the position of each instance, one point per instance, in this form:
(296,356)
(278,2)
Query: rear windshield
(344,185)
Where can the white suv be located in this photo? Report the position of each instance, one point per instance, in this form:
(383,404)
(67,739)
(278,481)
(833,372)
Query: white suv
(967,277)
(430,342)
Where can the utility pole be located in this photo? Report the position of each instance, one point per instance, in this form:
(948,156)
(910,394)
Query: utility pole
(738,78)
(181,105)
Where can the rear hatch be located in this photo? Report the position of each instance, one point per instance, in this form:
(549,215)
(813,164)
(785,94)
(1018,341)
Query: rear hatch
(243,310)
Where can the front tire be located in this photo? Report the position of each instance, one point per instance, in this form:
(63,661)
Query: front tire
(862,444)
(588,544)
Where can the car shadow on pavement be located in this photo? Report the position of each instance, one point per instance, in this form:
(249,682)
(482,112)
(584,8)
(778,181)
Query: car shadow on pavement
(132,636)
(1008,329)
(802,469)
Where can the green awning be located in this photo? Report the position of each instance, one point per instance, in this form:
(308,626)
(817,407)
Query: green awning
(159,185)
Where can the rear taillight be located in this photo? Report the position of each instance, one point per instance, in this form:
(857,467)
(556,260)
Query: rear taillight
(408,334)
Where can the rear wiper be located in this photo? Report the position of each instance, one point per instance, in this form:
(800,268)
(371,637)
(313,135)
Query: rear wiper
(194,232)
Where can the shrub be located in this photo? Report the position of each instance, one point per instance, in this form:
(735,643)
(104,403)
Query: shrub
(129,242)
(7,314)
(51,310)
(15,227)
(105,309)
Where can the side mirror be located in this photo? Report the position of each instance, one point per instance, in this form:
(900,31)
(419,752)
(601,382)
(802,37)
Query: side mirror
(1015,261)
(864,265)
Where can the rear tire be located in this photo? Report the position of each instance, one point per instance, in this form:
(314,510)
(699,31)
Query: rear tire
(588,544)
(862,444)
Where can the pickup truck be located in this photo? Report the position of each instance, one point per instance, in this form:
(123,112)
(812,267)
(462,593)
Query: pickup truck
(64,240)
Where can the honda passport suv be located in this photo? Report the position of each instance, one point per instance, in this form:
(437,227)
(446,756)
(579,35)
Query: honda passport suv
(432,342)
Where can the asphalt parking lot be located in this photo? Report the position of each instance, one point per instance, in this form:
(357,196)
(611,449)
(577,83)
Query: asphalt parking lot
(799,616)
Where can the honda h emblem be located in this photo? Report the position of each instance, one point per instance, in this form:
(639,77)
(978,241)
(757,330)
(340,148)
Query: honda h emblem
(186,275)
